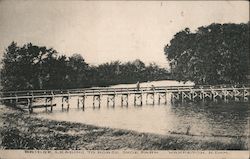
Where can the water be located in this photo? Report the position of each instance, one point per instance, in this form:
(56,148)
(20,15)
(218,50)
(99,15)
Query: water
(203,119)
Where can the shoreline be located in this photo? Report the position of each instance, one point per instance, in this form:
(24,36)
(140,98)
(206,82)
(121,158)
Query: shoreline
(19,130)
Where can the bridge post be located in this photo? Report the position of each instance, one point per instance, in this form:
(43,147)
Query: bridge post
(46,103)
(182,96)
(83,103)
(99,100)
(236,92)
(30,104)
(16,102)
(94,102)
(202,94)
(51,104)
(122,100)
(141,99)
(225,95)
(78,102)
(172,97)
(153,97)
(62,103)
(166,98)
(107,101)
(159,98)
(114,100)
(127,100)
(134,99)
(67,101)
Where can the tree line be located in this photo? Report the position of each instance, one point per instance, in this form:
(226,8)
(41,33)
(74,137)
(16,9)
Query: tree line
(32,67)
(214,54)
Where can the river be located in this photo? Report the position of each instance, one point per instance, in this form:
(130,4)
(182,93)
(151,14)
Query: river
(202,119)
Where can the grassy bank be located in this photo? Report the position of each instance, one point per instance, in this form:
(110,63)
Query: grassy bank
(22,131)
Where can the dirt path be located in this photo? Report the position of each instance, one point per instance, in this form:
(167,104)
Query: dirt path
(19,130)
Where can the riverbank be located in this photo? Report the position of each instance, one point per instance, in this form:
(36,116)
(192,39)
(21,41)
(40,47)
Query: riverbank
(19,130)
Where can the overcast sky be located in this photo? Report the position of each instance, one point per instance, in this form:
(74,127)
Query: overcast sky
(109,30)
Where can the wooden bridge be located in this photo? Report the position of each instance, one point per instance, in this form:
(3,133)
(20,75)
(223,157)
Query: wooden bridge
(28,99)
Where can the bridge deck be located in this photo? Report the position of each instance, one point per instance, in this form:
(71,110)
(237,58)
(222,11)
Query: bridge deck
(116,91)
(26,100)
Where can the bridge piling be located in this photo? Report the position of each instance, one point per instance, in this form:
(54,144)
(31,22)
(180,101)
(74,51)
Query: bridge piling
(30,104)
(62,103)
(67,101)
(107,101)
(51,104)
(46,103)
(166,98)
(83,102)
(121,100)
(78,103)
(134,100)
(94,102)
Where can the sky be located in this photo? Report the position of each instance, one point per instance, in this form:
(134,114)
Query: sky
(104,31)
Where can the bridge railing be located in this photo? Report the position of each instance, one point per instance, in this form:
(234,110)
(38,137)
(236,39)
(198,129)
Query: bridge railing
(103,90)
(87,90)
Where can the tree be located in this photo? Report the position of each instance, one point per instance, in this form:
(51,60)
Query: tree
(77,70)
(215,54)
(37,67)
(25,67)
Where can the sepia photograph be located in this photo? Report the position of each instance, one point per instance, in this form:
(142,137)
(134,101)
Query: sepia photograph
(124,79)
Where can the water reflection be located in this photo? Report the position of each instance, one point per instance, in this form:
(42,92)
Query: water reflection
(213,119)
(208,119)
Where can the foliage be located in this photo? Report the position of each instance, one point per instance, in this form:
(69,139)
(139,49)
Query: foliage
(36,67)
(26,67)
(215,54)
